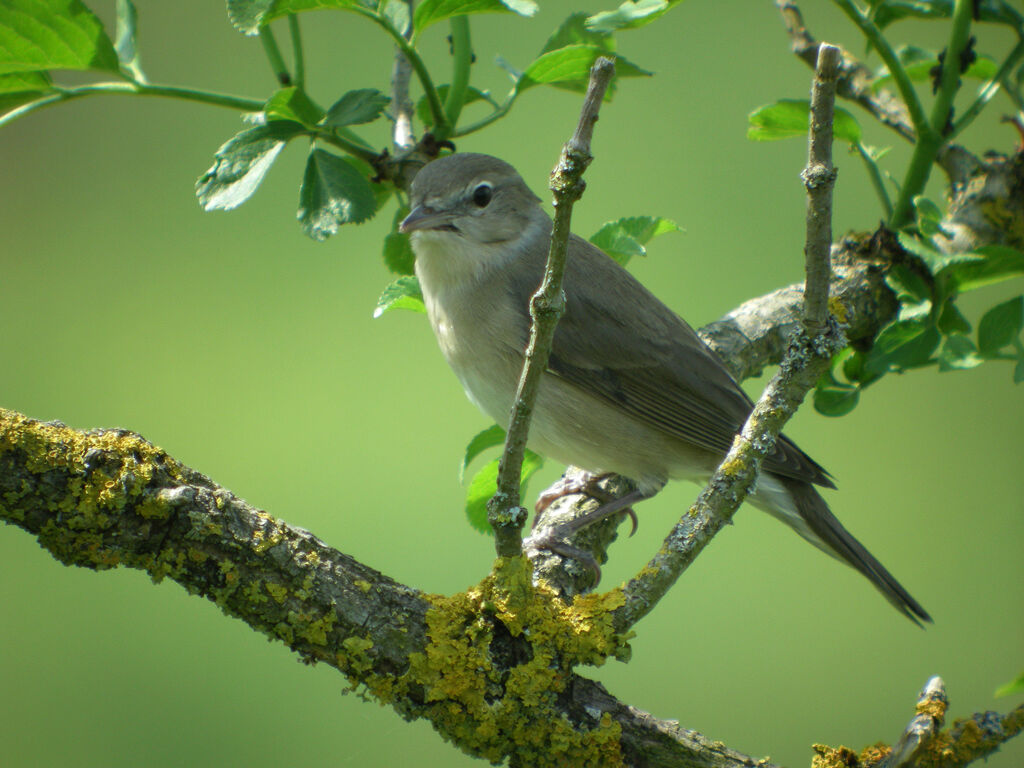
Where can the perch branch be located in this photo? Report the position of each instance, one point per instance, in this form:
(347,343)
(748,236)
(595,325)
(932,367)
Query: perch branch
(810,351)
(505,513)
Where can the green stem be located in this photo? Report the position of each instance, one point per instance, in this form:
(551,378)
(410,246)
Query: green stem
(352,144)
(930,141)
(297,60)
(135,89)
(274,56)
(989,89)
(875,174)
(462,58)
(899,74)
(442,129)
(497,114)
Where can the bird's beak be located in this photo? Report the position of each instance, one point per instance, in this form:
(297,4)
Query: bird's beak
(425,217)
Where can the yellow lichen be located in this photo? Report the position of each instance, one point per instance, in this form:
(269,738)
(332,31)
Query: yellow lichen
(491,712)
(277,591)
(838,309)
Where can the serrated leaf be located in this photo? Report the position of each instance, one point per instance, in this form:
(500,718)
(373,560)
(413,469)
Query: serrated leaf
(788,118)
(1000,326)
(472,95)
(958,354)
(572,64)
(398,255)
(403,293)
(909,286)
(574,31)
(928,214)
(484,484)
(125,44)
(832,398)
(903,344)
(480,442)
(248,16)
(52,34)
(432,11)
(995,264)
(357,107)
(334,192)
(886,13)
(626,237)
(630,15)
(293,104)
(241,163)
(935,260)
(1014,686)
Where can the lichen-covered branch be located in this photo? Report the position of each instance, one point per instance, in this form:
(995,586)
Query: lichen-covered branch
(547,305)
(491,668)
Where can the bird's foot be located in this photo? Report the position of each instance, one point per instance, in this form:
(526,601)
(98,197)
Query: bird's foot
(581,482)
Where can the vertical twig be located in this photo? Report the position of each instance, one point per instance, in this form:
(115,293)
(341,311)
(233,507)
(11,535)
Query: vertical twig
(819,179)
(505,514)
(401,73)
(931,712)
(807,357)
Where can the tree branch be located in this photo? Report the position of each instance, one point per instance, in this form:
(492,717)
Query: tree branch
(854,79)
(505,514)
(402,133)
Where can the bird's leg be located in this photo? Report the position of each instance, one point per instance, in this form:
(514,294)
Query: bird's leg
(555,538)
(586,483)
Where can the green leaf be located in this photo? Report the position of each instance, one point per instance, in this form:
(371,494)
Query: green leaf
(241,164)
(833,398)
(630,15)
(293,104)
(626,237)
(958,354)
(403,293)
(334,192)
(398,255)
(571,65)
(472,94)
(396,12)
(929,216)
(1018,371)
(248,16)
(574,31)
(788,118)
(125,44)
(432,11)
(484,484)
(909,286)
(356,107)
(481,441)
(903,344)
(1014,686)
(951,320)
(21,88)
(52,34)
(995,263)
(935,260)
(1000,326)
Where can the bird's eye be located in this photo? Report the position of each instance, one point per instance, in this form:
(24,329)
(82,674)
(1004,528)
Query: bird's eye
(482,195)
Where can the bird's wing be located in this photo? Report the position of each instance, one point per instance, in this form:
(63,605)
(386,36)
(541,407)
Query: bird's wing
(673,382)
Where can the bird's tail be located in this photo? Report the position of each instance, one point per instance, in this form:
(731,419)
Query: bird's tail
(821,528)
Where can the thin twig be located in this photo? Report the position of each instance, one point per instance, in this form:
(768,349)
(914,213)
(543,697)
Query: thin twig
(854,82)
(402,107)
(809,353)
(819,179)
(546,307)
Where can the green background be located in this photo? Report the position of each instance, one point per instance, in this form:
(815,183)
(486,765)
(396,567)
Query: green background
(248,351)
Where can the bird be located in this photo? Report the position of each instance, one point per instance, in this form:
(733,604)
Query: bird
(629,388)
